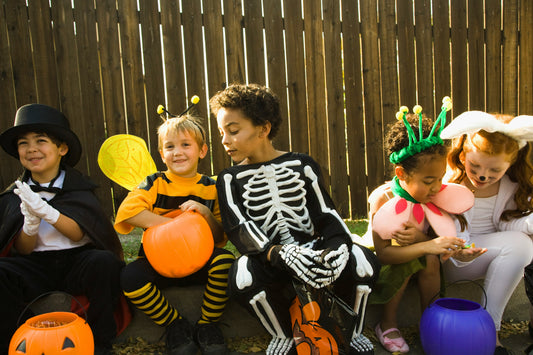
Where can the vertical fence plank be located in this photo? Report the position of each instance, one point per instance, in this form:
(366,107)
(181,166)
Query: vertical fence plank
(388,55)
(354,108)
(21,58)
(526,53)
(153,69)
(234,41)
(130,47)
(406,52)
(316,105)
(194,65)
(335,106)
(459,57)
(424,56)
(43,53)
(476,54)
(276,67)
(441,51)
(493,68)
(296,84)
(255,49)
(216,74)
(10,166)
(91,98)
(372,94)
(510,59)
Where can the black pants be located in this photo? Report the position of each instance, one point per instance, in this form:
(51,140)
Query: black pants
(79,271)
(528,281)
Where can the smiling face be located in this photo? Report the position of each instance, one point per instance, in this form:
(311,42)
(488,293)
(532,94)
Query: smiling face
(240,137)
(484,170)
(425,181)
(40,155)
(180,152)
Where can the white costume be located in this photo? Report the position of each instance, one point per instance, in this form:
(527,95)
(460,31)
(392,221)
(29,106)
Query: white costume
(509,245)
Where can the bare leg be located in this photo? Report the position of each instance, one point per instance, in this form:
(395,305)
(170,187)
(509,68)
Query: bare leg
(390,310)
(429,281)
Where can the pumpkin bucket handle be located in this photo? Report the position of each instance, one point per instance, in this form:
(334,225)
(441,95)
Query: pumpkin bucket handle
(461,281)
(46,294)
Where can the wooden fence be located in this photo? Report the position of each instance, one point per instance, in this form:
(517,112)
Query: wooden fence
(341,68)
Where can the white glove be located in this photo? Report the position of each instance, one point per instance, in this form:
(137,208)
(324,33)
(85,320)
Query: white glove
(35,204)
(318,268)
(31,222)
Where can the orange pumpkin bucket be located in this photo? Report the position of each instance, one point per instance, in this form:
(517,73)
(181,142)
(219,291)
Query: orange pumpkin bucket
(54,333)
(179,247)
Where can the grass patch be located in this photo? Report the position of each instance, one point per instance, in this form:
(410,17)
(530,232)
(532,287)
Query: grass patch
(132,241)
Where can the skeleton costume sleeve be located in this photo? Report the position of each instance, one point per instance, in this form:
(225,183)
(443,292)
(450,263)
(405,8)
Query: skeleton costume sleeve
(279,202)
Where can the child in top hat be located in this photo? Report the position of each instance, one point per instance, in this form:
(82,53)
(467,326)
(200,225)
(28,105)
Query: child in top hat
(53,228)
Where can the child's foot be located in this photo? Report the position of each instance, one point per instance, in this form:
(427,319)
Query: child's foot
(501,350)
(281,346)
(210,338)
(392,345)
(180,338)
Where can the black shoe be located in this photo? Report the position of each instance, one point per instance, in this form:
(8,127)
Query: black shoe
(361,345)
(180,338)
(210,338)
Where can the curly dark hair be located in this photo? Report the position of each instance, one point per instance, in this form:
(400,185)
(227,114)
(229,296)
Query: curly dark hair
(255,101)
(398,138)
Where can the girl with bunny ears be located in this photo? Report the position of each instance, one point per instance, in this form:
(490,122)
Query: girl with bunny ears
(490,155)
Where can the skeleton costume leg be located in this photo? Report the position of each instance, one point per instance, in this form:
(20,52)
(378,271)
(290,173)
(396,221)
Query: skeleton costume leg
(264,295)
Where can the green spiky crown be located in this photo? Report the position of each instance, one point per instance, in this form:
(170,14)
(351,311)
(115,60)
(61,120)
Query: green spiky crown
(418,145)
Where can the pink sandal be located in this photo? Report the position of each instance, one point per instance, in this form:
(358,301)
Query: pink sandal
(391,344)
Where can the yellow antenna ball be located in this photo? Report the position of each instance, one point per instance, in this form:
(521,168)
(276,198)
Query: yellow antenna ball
(446,99)
(399,115)
(404,109)
(417,109)
(195,99)
(160,109)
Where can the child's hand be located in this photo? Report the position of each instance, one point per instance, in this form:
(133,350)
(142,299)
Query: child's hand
(35,204)
(195,206)
(31,222)
(445,246)
(468,254)
(409,235)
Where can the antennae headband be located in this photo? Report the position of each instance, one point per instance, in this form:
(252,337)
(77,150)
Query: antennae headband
(469,122)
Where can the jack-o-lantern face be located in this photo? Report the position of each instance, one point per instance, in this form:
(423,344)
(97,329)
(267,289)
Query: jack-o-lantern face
(55,333)
(309,337)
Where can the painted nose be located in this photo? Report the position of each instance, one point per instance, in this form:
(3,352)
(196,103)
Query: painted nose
(482,178)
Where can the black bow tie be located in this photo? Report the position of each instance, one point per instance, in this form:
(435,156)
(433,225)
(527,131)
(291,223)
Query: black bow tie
(39,188)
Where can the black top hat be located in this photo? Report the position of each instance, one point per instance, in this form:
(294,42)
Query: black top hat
(41,118)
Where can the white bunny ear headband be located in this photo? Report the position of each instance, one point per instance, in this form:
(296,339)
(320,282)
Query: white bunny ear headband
(520,128)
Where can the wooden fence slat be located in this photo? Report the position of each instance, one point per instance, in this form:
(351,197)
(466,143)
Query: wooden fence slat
(91,112)
(424,56)
(194,66)
(476,54)
(372,93)
(234,41)
(43,53)
(10,166)
(276,68)
(493,66)
(316,104)
(459,57)
(130,47)
(21,59)
(296,84)
(526,53)
(335,106)
(216,73)
(388,60)
(354,108)
(441,51)
(406,53)
(255,49)
(510,59)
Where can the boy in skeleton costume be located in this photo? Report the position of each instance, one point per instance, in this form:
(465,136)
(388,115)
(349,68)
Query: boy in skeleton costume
(276,212)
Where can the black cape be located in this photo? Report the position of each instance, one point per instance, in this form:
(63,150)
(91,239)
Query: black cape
(76,200)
